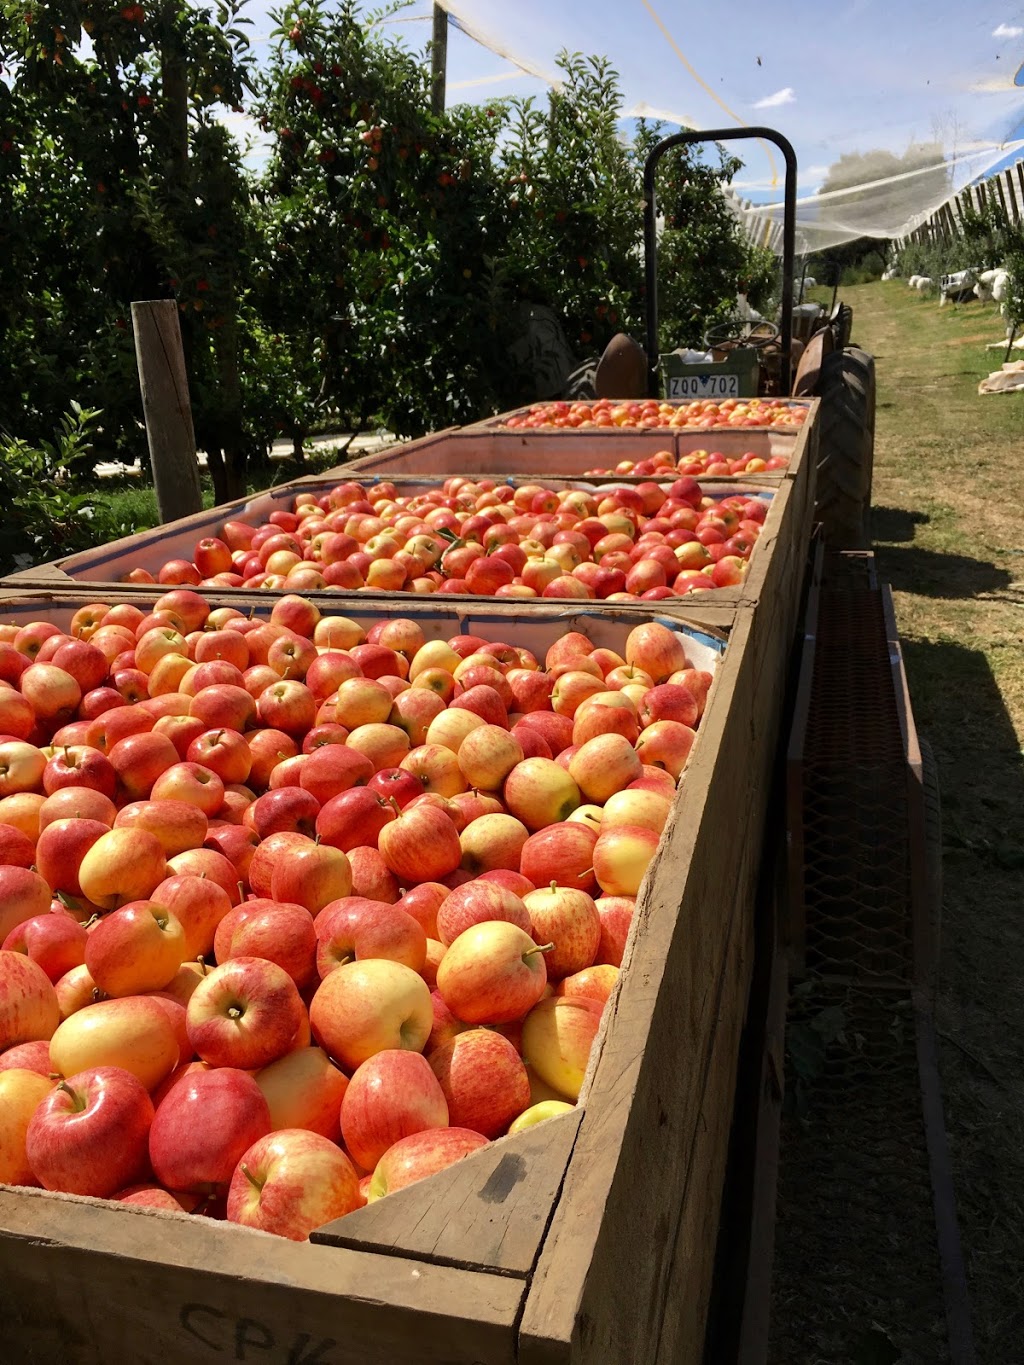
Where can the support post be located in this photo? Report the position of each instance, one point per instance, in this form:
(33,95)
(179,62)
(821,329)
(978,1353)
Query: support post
(438,60)
(166,407)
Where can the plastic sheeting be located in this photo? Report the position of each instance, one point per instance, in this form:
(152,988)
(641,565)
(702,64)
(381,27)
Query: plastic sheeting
(892,108)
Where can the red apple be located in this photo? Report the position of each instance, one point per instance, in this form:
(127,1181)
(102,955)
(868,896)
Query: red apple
(207,862)
(616,917)
(136,949)
(333,769)
(595,982)
(281,932)
(423,1154)
(604,765)
(569,919)
(80,765)
(191,782)
(371,877)
(475,903)
(483,1080)
(304,1089)
(354,928)
(312,876)
(245,1014)
(178,825)
(355,818)
(27,1057)
(23,894)
(28,1002)
(90,1134)
(286,809)
(423,902)
(55,941)
(21,1094)
(224,752)
(562,853)
(656,649)
(558,1035)
(362,1008)
(391,1095)
(21,767)
(421,845)
(291,1182)
(492,973)
(135,1034)
(666,744)
(204,1126)
(539,793)
(637,807)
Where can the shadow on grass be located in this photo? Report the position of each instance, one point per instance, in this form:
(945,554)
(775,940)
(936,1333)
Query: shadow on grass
(859,1147)
(959,707)
(930,573)
(896,523)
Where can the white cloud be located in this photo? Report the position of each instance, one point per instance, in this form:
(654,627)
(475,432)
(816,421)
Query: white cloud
(777,100)
(1007,31)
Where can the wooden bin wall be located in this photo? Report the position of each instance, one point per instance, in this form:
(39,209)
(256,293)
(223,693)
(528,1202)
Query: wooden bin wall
(439,1272)
(546,454)
(104,567)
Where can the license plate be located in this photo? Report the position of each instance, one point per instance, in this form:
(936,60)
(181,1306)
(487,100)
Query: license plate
(704,386)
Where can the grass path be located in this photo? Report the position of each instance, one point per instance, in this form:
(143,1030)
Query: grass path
(948,524)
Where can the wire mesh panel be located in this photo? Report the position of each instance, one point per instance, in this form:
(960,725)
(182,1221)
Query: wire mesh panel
(859,1265)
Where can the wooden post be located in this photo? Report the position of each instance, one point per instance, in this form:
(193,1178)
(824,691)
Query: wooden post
(1013,200)
(166,407)
(438,60)
(1002,198)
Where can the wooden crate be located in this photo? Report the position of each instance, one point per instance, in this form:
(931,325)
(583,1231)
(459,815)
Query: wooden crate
(104,567)
(587,1239)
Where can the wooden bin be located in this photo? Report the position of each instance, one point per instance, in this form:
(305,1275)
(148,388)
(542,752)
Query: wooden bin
(589,1238)
(103,568)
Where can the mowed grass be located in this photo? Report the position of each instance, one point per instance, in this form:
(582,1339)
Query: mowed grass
(948,514)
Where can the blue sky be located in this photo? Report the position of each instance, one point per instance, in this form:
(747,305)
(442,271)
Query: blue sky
(851,76)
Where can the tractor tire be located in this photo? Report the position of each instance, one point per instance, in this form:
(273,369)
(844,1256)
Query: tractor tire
(846,446)
(580,386)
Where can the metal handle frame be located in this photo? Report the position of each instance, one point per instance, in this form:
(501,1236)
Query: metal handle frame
(651,238)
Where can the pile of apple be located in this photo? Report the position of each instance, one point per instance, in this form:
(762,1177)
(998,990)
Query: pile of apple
(622,544)
(699,463)
(293,915)
(646,414)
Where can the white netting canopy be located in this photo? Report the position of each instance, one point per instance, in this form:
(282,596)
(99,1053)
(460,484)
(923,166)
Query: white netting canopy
(892,108)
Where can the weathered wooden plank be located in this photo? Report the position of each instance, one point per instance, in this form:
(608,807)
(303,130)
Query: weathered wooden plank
(94,1284)
(489,1212)
(163,381)
(1013,202)
(686,1302)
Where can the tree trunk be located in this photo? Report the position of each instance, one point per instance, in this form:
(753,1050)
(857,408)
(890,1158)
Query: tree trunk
(236,446)
(298,449)
(215,464)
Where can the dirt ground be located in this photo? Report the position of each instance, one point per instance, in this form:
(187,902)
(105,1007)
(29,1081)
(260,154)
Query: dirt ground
(947,523)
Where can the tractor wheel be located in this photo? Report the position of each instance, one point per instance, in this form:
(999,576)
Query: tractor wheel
(579,383)
(846,443)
